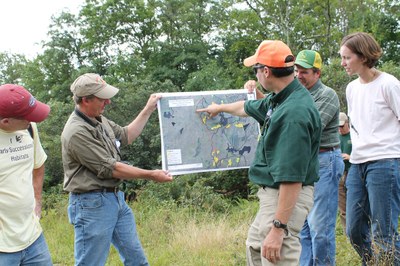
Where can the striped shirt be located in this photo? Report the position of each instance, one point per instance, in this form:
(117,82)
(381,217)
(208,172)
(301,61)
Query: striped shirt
(328,106)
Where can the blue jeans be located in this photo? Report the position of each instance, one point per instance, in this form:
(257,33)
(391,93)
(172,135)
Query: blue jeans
(318,234)
(36,254)
(373,208)
(101,219)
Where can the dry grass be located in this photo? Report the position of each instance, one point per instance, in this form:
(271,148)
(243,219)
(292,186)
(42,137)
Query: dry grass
(176,236)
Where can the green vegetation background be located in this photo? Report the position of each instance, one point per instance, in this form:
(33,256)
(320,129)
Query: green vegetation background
(151,46)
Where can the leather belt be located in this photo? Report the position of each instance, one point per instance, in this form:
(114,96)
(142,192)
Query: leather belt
(325,149)
(106,189)
(103,190)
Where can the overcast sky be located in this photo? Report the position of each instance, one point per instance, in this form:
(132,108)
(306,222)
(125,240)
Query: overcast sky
(24,23)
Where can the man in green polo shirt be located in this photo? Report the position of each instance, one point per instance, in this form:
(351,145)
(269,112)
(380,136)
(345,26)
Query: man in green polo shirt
(286,162)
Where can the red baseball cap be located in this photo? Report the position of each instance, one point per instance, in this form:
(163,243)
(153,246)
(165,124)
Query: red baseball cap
(17,102)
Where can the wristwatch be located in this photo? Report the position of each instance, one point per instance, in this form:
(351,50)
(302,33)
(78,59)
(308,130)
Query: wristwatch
(279,224)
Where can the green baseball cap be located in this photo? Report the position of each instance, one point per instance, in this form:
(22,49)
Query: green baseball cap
(308,59)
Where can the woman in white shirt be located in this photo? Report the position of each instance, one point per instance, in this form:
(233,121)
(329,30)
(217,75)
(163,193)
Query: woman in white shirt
(373,182)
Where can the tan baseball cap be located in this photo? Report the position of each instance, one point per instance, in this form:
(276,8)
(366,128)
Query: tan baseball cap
(92,84)
(343,118)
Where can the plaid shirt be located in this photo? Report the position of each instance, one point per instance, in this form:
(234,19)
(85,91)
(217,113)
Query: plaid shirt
(328,105)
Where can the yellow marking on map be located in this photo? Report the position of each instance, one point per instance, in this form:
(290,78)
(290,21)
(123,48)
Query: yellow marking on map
(214,152)
(215,160)
(230,162)
(237,160)
(228,126)
(204,119)
(216,127)
(239,125)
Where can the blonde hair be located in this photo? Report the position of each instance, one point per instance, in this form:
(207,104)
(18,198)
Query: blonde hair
(365,46)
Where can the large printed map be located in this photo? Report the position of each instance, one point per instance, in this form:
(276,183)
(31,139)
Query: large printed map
(192,142)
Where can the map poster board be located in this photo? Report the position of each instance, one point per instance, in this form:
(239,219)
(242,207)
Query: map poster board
(192,142)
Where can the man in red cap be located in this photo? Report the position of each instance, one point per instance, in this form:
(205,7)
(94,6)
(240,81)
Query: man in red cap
(286,162)
(21,178)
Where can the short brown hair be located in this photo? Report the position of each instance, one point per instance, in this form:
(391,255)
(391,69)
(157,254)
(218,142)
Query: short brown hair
(364,45)
(78,99)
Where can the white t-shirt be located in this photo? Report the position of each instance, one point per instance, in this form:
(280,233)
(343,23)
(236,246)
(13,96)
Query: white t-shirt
(19,155)
(374,112)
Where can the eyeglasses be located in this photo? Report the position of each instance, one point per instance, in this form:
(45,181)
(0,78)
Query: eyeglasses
(257,67)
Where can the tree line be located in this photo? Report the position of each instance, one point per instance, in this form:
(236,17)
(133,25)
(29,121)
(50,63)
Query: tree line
(151,46)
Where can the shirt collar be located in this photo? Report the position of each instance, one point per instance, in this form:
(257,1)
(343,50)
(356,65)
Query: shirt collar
(316,86)
(282,95)
(91,121)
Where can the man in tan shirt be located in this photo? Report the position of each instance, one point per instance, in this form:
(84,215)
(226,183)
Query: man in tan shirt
(93,170)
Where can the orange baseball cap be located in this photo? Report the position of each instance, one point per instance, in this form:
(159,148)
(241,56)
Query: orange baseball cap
(271,53)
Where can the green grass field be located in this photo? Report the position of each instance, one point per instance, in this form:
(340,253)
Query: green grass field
(179,236)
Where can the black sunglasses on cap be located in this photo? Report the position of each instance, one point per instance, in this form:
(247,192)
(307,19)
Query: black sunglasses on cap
(256,67)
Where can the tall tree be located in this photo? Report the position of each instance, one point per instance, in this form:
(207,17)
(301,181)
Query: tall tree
(11,67)
(65,36)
